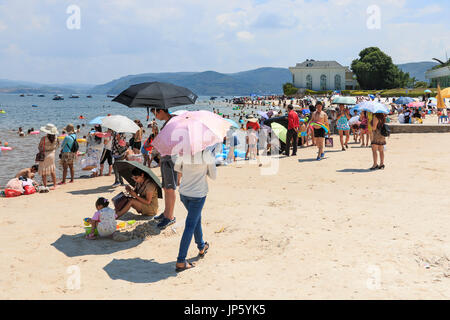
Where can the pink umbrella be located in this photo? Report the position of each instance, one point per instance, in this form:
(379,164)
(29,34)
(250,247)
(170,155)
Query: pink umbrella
(416,104)
(191,132)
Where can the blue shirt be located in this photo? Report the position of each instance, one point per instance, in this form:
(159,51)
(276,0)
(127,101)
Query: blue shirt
(68,142)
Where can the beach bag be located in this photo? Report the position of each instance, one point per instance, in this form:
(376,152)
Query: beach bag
(120,201)
(29,190)
(75,146)
(9,193)
(385,130)
(40,156)
(329,142)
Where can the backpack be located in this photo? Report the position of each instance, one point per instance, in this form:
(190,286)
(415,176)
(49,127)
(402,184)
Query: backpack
(75,146)
(385,130)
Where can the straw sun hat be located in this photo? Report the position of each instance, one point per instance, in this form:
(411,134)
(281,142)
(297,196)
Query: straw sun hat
(50,129)
(252,119)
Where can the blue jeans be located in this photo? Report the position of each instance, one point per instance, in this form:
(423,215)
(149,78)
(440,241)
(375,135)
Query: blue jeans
(193,226)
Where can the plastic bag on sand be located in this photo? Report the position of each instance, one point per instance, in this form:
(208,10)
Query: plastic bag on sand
(15,184)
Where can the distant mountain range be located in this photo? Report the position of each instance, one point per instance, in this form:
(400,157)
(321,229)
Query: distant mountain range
(417,69)
(207,83)
(259,81)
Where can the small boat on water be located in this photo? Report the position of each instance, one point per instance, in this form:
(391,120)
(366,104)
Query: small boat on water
(22,95)
(58,97)
(29,94)
(41,95)
(34,106)
(111,96)
(74,96)
(89,96)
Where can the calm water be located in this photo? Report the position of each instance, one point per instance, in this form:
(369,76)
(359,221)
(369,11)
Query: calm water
(20,113)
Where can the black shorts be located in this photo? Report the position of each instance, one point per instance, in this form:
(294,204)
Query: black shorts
(168,174)
(137,145)
(106,155)
(319,133)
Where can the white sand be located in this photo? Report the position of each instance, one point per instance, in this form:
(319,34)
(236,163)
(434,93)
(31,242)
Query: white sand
(316,230)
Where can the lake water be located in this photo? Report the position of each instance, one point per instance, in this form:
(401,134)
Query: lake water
(20,113)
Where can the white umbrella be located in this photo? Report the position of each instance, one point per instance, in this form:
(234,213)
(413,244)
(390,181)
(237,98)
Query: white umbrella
(353,120)
(120,124)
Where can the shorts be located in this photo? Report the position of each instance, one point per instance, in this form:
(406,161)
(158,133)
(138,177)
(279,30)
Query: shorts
(67,158)
(319,133)
(168,174)
(137,145)
(106,155)
(303,134)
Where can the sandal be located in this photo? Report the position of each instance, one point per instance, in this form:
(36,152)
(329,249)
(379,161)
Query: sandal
(381,167)
(185,267)
(205,250)
(374,168)
(91,236)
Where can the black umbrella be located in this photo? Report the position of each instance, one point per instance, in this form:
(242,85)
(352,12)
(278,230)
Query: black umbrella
(125,167)
(159,95)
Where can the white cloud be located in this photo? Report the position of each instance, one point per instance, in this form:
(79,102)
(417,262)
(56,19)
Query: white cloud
(244,35)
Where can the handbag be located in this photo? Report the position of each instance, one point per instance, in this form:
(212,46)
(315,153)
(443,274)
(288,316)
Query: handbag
(40,156)
(385,130)
(120,201)
(329,142)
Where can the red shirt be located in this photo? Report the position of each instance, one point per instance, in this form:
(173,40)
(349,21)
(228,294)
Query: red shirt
(293,121)
(253,125)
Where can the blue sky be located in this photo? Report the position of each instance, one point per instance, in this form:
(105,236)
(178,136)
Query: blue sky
(121,37)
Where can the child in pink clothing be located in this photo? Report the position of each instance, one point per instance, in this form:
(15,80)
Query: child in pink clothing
(104,220)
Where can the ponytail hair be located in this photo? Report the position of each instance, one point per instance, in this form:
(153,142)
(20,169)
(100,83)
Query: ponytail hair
(102,202)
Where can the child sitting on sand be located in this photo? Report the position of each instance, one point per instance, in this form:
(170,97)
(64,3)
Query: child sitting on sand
(104,220)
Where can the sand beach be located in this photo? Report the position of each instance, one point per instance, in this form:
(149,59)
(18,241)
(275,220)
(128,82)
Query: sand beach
(329,229)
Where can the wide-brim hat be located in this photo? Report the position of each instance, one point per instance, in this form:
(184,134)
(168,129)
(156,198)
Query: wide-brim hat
(50,129)
(252,119)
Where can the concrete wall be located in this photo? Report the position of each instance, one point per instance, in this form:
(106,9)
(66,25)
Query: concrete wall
(418,128)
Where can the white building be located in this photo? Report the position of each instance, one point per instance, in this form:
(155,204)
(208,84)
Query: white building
(322,75)
(439,75)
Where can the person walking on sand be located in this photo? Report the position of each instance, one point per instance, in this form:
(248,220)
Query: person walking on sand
(48,145)
(193,172)
(119,152)
(319,117)
(292,132)
(169,178)
(378,140)
(343,126)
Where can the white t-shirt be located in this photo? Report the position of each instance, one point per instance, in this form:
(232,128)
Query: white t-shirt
(193,181)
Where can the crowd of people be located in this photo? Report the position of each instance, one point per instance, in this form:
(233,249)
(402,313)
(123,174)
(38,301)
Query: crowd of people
(310,121)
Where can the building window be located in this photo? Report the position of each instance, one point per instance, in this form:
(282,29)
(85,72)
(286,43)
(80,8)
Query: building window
(337,82)
(323,82)
(309,82)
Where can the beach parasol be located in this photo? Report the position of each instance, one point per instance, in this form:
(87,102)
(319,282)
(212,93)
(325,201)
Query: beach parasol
(233,123)
(445,93)
(403,100)
(416,104)
(427,91)
(344,100)
(190,133)
(120,124)
(263,114)
(124,168)
(306,111)
(374,107)
(440,99)
(97,120)
(159,95)
(279,130)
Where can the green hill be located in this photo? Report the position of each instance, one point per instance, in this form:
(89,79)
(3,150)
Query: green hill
(259,81)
